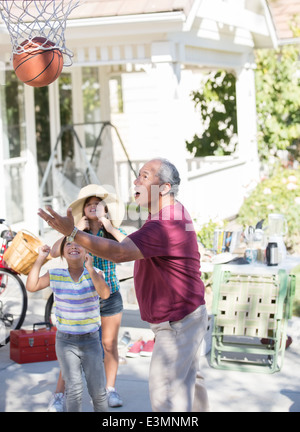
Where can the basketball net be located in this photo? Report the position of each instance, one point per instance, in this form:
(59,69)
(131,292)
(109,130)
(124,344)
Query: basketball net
(28,19)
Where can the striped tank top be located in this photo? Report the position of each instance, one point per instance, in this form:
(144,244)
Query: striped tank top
(76,303)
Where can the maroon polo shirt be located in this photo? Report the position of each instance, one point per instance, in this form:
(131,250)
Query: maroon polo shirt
(167,281)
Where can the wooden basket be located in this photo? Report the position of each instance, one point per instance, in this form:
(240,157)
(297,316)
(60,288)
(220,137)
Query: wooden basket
(22,252)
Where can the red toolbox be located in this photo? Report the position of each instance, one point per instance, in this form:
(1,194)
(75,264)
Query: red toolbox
(36,345)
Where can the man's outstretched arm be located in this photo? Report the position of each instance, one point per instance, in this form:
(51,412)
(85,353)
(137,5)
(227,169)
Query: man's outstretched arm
(99,246)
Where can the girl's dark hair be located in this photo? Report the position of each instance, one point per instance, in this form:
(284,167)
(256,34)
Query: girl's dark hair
(105,233)
(62,245)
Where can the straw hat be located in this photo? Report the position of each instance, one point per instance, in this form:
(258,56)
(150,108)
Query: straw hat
(115,207)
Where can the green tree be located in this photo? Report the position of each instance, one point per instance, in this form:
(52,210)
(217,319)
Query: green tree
(277,99)
(216,101)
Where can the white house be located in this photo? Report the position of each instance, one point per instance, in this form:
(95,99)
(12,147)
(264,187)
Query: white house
(135,65)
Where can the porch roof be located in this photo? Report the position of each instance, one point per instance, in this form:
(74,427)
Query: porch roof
(104,8)
(283,12)
(187,31)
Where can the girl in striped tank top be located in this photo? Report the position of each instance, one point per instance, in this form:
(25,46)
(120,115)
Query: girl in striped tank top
(97,212)
(76,291)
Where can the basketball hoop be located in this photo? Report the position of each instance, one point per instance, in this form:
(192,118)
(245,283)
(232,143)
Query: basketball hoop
(30,19)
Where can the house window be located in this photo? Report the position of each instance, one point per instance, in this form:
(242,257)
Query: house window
(14,117)
(91,104)
(13,183)
(91,94)
(42,122)
(13,145)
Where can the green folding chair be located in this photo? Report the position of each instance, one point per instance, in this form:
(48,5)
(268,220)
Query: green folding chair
(250,320)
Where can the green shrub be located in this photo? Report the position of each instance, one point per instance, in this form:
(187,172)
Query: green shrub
(278,194)
(206,234)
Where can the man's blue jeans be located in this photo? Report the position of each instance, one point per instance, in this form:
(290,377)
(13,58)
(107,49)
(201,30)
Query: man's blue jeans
(77,353)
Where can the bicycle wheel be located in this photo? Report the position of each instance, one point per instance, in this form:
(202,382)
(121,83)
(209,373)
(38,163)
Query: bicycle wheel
(49,310)
(13,303)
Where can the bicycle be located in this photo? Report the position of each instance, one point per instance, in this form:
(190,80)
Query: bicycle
(13,295)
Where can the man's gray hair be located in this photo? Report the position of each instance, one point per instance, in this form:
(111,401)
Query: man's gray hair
(168,173)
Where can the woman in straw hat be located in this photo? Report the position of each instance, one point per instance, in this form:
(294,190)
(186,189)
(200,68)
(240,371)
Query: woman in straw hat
(100,213)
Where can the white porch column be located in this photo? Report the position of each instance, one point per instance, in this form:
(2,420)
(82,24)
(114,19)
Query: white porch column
(54,110)
(107,170)
(30,180)
(55,125)
(170,116)
(246,120)
(2,116)
(77,111)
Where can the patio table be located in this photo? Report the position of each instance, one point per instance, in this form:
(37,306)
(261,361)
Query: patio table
(257,268)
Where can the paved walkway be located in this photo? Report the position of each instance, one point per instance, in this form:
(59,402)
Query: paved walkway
(28,387)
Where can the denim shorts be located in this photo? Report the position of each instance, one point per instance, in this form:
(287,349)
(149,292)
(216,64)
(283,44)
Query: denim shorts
(111,306)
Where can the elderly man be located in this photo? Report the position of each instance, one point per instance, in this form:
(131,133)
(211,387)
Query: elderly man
(168,286)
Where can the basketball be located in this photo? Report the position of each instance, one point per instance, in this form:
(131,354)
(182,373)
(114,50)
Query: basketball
(38,67)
